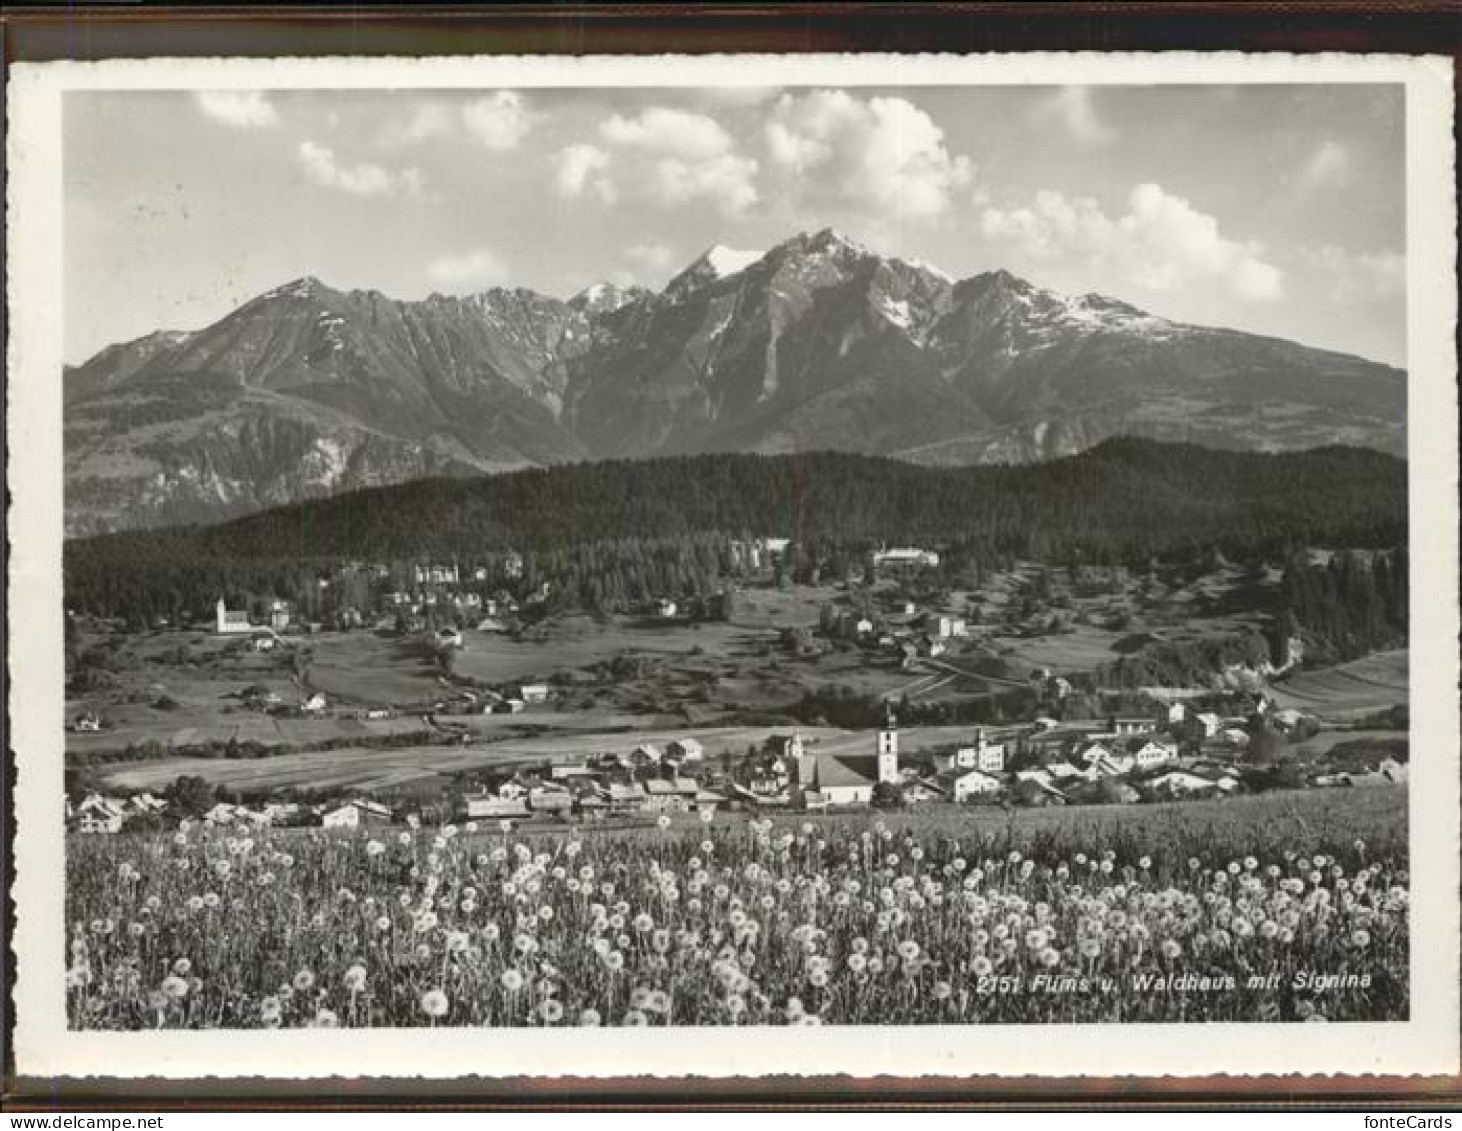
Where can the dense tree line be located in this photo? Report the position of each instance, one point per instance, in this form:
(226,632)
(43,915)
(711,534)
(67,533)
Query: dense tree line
(1184,663)
(604,534)
(1351,605)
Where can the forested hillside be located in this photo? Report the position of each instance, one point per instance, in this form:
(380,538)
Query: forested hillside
(618,529)
(1347,607)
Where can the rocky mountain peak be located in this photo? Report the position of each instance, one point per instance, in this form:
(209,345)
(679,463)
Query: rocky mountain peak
(605,298)
(305,287)
(819,343)
(716,263)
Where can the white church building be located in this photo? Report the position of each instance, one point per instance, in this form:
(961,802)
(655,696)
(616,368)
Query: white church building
(230,622)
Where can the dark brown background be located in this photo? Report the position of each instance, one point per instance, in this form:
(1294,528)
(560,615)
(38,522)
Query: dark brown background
(44,32)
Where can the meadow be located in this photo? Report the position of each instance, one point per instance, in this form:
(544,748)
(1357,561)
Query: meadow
(1230,916)
(499,741)
(1360,687)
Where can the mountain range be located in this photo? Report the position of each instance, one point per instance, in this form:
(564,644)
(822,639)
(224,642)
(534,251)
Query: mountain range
(819,344)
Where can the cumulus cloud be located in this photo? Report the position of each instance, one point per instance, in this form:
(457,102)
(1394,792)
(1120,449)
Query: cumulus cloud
(498,121)
(1162,243)
(882,155)
(1073,108)
(1360,276)
(476,268)
(727,181)
(663,156)
(1330,164)
(581,169)
(361,179)
(240,109)
(661,129)
(429,121)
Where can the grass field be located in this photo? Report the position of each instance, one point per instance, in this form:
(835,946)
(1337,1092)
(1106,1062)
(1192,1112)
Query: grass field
(371,668)
(1360,687)
(175,730)
(359,768)
(1320,744)
(756,923)
(1302,818)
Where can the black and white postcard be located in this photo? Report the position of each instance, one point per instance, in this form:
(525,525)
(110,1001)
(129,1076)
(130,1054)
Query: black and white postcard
(953,556)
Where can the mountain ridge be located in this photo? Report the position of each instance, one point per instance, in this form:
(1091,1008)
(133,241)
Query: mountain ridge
(818,343)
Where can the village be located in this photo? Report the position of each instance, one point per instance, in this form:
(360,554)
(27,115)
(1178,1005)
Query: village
(506,723)
(1123,761)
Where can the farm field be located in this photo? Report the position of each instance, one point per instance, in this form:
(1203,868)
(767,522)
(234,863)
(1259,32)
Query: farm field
(1081,649)
(356,768)
(241,726)
(1360,687)
(371,668)
(1304,819)
(1322,743)
(762,923)
(359,768)
(578,642)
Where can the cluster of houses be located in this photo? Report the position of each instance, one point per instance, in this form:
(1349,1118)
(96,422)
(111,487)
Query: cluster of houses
(511,700)
(98,813)
(903,631)
(453,573)
(1174,753)
(1119,760)
(446,588)
(646,780)
(492,613)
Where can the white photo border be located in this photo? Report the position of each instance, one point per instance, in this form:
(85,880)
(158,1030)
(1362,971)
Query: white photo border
(1426,1044)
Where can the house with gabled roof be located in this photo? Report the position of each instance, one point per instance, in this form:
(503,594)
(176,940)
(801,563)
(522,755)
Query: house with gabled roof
(99,814)
(842,779)
(354,814)
(670,795)
(969,784)
(685,750)
(624,798)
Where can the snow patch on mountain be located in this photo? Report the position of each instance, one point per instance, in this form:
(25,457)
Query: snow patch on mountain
(929,269)
(896,312)
(1096,313)
(726,261)
(605,298)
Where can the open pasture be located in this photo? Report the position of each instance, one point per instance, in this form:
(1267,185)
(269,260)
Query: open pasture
(372,668)
(496,659)
(242,727)
(1360,687)
(348,767)
(1304,819)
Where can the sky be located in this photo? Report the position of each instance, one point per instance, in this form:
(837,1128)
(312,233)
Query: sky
(1272,209)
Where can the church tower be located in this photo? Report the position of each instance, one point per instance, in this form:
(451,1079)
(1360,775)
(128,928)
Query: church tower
(888,751)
